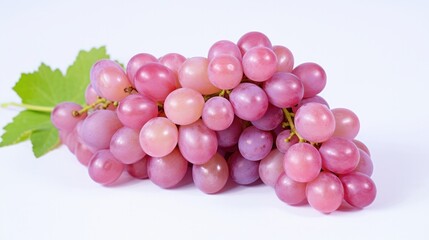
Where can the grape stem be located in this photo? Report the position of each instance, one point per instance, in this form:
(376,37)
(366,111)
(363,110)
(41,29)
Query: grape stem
(28,107)
(293,131)
(85,109)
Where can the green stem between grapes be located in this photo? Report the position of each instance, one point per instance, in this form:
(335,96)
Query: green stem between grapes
(293,131)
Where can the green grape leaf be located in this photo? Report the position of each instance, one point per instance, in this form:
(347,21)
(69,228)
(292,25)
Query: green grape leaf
(46,88)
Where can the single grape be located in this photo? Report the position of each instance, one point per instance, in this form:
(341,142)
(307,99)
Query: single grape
(359,189)
(315,99)
(285,59)
(90,95)
(211,176)
(259,64)
(255,144)
(109,80)
(136,62)
(184,106)
(224,47)
(361,146)
(125,145)
(225,71)
(325,193)
(313,78)
(229,137)
(339,155)
(72,139)
(302,162)
(139,168)
(346,123)
(315,122)
(271,167)
(167,171)
(284,90)
(242,170)
(135,110)
(173,61)
(62,116)
(365,164)
(249,101)
(158,137)
(104,168)
(83,153)
(251,40)
(290,191)
(281,140)
(218,113)
(272,118)
(193,74)
(197,143)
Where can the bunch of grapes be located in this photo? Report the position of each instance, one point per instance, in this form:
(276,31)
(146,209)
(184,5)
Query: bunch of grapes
(243,112)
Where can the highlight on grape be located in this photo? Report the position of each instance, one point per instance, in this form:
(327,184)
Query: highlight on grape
(244,112)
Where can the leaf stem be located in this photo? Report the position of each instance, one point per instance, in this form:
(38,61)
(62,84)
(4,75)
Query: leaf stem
(28,107)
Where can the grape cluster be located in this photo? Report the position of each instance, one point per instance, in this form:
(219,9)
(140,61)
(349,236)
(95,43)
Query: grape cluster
(243,112)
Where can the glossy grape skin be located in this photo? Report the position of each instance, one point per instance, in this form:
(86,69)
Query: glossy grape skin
(167,171)
(230,136)
(255,144)
(302,162)
(184,106)
(281,143)
(62,116)
(325,193)
(125,145)
(158,137)
(251,40)
(104,168)
(272,118)
(83,153)
(98,128)
(259,64)
(285,58)
(347,124)
(173,61)
(197,143)
(249,101)
(362,146)
(155,81)
(193,74)
(109,80)
(365,164)
(339,155)
(211,176)
(290,191)
(359,189)
(271,167)
(218,113)
(284,90)
(223,47)
(90,95)
(315,122)
(136,62)
(139,168)
(243,171)
(315,99)
(135,110)
(313,78)
(225,71)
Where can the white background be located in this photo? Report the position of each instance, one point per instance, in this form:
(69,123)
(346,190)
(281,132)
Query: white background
(374,52)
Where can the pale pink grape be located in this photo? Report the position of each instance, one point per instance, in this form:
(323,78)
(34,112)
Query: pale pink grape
(325,193)
(83,153)
(218,113)
(135,110)
(139,168)
(315,99)
(365,164)
(249,101)
(62,116)
(285,58)
(361,146)
(284,90)
(136,62)
(272,118)
(251,40)
(225,71)
(173,61)
(302,162)
(242,170)
(339,155)
(104,168)
(109,80)
(125,145)
(155,81)
(271,167)
(193,74)
(313,78)
(229,137)
(290,191)
(359,189)
(158,137)
(167,171)
(224,47)
(211,176)
(91,95)
(259,64)
(281,140)
(347,124)
(184,106)
(255,144)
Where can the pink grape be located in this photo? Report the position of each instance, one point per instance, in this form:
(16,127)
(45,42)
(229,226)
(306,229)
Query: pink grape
(339,155)
(139,168)
(211,176)
(271,167)
(98,128)
(136,62)
(359,189)
(225,71)
(155,81)
(315,122)
(197,143)
(90,95)
(72,141)
(218,113)
(135,110)
(302,162)
(285,59)
(361,146)
(259,64)
(167,171)
(158,137)
(249,101)
(251,40)
(313,78)
(255,144)
(229,137)
(242,170)
(290,191)
(125,145)
(284,90)
(315,99)
(173,61)
(272,118)
(346,123)
(62,116)
(184,106)
(365,164)
(83,153)
(104,168)
(193,74)
(325,193)
(109,80)
(281,143)
(224,47)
